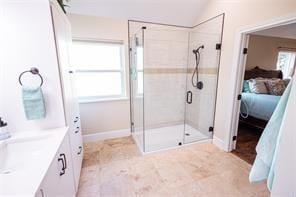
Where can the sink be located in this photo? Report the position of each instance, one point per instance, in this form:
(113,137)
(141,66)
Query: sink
(14,153)
(25,159)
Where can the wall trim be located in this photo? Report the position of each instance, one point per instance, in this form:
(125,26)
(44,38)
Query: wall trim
(106,135)
(220,143)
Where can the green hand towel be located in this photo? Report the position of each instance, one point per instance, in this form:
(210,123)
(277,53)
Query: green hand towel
(33,102)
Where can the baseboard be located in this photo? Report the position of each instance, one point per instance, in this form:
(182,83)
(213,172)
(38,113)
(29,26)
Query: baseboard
(106,135)
(219,143)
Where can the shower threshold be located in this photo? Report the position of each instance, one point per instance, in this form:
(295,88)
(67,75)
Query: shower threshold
(170,137)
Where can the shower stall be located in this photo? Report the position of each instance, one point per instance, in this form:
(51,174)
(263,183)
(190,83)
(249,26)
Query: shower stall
(173,77)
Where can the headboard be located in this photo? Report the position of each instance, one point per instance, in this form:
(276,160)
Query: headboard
(258,72)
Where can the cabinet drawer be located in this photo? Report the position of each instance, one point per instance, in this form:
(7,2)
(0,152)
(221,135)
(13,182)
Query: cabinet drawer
(59,180)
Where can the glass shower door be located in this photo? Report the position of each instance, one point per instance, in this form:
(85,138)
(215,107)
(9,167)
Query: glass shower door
(137,85)
(165,63)
(202,76)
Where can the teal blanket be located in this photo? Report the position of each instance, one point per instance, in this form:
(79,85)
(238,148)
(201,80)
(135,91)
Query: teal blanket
(263,167)
(33,102)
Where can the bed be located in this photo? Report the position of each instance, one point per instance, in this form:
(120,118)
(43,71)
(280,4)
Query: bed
(256,109)
(259,106)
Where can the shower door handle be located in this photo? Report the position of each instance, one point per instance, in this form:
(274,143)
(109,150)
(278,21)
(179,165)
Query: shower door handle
(189,97)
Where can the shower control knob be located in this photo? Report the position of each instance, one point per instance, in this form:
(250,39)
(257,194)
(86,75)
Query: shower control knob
(199,85)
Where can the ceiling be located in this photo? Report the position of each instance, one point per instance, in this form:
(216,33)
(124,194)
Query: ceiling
(176,12)
(285,31)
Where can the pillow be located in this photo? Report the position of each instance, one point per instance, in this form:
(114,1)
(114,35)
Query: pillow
(258,86)
(287,81)
(246,87)
(276,87)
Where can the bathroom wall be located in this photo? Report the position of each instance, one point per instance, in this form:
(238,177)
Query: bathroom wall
(105,115)
(239,14)
(165,62)
(263,51)
(28,41)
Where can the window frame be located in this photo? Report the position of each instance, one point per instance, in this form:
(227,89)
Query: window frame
(121,70)
(290,64)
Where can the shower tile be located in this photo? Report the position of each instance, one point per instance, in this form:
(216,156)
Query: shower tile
(166,95)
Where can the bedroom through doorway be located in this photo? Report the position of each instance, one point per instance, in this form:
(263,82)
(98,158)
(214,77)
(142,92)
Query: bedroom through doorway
(269,64)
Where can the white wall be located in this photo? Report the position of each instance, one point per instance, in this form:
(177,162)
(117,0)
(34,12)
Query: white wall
(263,51)
(106,115)
(285,174)
(28,41)
(239,14)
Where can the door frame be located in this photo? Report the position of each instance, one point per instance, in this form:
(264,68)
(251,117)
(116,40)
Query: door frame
(242,40)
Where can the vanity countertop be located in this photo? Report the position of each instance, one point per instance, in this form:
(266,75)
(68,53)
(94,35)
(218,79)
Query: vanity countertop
(25,159)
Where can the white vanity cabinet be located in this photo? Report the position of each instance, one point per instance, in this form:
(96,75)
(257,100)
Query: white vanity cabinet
(58,180)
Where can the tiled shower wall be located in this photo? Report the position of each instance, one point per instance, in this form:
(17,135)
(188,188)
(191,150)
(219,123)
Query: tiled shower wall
(165,62)
(200,114)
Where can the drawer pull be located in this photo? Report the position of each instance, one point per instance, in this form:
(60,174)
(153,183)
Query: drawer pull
(76,119)
(80,150)
(62,159)
(77,130)
(63,168)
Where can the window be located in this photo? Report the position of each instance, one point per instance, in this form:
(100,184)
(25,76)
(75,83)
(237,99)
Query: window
(99,70)
(286,63)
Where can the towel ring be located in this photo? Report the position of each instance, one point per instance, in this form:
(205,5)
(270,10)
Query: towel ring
(34,71)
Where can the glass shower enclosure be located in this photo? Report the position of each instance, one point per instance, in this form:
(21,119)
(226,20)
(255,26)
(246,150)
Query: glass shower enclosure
(173,77)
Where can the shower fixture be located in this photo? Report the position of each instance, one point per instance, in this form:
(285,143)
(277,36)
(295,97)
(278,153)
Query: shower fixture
(198,84)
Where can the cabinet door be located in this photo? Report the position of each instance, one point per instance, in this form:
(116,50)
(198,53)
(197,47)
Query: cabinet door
(63,41)
(75,133)
(67,74)
(66,185)
(50,182)
(59,179)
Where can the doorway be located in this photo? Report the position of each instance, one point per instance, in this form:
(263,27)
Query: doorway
(267,63)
